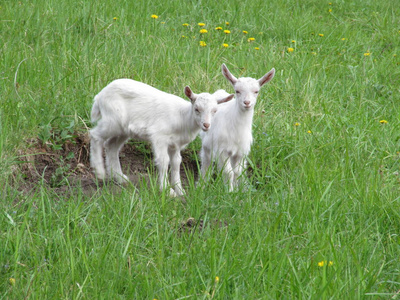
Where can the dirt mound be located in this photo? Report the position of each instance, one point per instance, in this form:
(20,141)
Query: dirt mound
(68,164)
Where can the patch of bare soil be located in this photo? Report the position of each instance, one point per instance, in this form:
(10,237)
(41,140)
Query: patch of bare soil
(68,165)
(191,225)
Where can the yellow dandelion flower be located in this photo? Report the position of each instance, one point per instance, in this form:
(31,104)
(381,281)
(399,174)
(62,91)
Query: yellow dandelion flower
(330,3)
(226,23)
(321,263)
(293,41)
(330,263)
(309,131)
(314,53)
(115,18)
(321,34)
(216,279)
(251,39)
(185,24)
(11,281)
(290,50)
(394,55)
(343,39)
(297,124)
(227,31)
(245,32)
(154,16)
(201,24)
(383,121)
(225,45)
(183,36)
(330,10)
(367,53)
(218,28)
(257,48)
(203,43)
(203,30)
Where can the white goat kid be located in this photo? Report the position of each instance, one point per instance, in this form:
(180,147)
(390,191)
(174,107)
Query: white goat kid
(229,140)
(130,109)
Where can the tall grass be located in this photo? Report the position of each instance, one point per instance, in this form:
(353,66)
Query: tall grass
(321,217)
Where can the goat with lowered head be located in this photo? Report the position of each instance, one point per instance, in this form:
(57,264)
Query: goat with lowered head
(130,109)
(229,140)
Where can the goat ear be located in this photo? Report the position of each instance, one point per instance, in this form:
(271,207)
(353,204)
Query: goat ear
(267,77)
(228,75)
(225,99)
(188,92)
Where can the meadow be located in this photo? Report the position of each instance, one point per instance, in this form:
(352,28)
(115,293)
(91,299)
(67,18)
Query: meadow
(321,219)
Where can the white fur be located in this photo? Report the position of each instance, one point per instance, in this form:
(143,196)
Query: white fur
(229,140)
(130,109)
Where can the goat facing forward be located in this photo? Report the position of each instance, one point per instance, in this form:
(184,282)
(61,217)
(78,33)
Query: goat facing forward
(130,109)
(229,140)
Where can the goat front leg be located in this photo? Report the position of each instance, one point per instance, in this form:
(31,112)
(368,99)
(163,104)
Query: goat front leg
(242,172)
(237,162)
(175,162)
(161,160)
(224,164)
(113,147)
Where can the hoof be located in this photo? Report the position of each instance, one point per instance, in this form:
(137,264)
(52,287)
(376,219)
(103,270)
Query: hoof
(121,178)
(172,193)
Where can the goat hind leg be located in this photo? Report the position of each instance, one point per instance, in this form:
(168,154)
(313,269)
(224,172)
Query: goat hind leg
(205,157)
(96,154)
(113,146)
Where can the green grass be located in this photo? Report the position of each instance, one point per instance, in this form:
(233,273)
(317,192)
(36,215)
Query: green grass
(325,170)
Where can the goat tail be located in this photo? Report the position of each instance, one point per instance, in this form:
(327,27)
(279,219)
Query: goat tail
(96,113)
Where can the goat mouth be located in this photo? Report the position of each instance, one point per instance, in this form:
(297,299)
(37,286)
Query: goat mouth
(204,129)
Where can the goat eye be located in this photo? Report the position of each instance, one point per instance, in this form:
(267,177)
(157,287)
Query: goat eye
(256,92)
(213,111)
(197,110)
(237,92)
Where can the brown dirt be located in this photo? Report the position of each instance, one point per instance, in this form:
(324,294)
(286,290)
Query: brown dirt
(69,166)
(191,225)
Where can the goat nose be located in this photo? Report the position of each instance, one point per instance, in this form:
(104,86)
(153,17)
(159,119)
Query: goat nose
(206,125)
(247,103)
